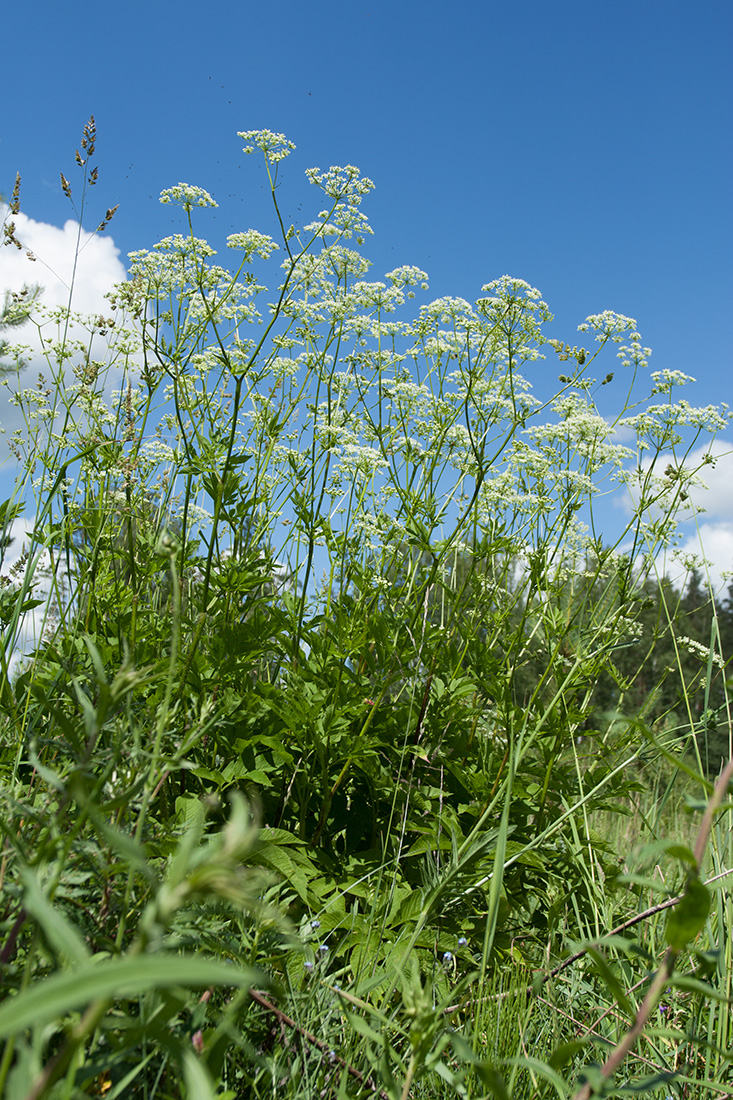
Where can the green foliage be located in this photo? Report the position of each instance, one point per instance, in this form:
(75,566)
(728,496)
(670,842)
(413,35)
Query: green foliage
(312,560)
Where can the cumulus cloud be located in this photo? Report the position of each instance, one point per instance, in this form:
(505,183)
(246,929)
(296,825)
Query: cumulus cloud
(706,526)
(715,495)
(12,571)
(98,265)
(709,533)
(72,268)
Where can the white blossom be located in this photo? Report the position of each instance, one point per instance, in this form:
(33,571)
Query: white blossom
(275,146)
(252,243)
(187,196)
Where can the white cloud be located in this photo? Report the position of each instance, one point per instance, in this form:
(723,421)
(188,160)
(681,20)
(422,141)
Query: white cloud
(98,265)
(56,251)
(715,496)
(710,535)
(13,571)
(706,524)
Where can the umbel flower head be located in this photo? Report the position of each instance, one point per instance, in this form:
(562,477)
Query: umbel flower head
(275,146)
(187,195)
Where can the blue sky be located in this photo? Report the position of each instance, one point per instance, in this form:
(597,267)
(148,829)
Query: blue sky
(582,145)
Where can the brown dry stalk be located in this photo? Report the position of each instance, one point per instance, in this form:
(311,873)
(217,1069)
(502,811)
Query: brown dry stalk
(263,1002)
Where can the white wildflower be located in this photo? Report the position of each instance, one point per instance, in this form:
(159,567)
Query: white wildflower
(275,146)
(408,275)
(251,242)
(697,649)
(608,325)
(187,196)
(664,380)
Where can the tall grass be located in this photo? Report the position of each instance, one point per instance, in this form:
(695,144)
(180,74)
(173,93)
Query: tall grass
(304,789)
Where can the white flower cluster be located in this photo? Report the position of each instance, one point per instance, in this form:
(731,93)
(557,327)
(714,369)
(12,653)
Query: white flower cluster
(410,448)
(388,417)
(664,380)
(408,275)
(508,288)
(690,561)
(155,451)
(377,296)
(659,420)
(341,263)
(251,242)
(347,187)
(511,297)
(367,461)
(195,514)
(697,649)
(341,183)
(275,146)
(516,310)
(634,353)
(187,196)
(608,325)
(446,311)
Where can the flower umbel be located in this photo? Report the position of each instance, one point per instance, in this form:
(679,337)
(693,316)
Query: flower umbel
(187,196)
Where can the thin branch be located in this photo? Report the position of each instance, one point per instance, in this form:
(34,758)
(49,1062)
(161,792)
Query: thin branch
(627,924)
(263,1002)
(584,950)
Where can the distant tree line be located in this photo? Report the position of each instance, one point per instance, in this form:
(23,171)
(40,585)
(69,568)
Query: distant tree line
(675,671)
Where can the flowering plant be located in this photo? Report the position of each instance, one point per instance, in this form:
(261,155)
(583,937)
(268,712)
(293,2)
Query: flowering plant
(307,539)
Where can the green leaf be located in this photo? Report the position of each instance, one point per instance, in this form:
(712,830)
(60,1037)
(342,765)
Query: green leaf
(688,917)
(113,979)
(198,1081)
(646,1084)
(430,843)
(682,853)
(60,933)
(691,985)
(494,1082)
(360,1025)
(563,1053)
(541,1069)
(612,982)
(10,510)
(409,909)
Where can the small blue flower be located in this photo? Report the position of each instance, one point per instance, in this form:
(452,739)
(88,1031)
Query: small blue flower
(308,965)
(462,941)
(323,948)
(315,923)
(447,958)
